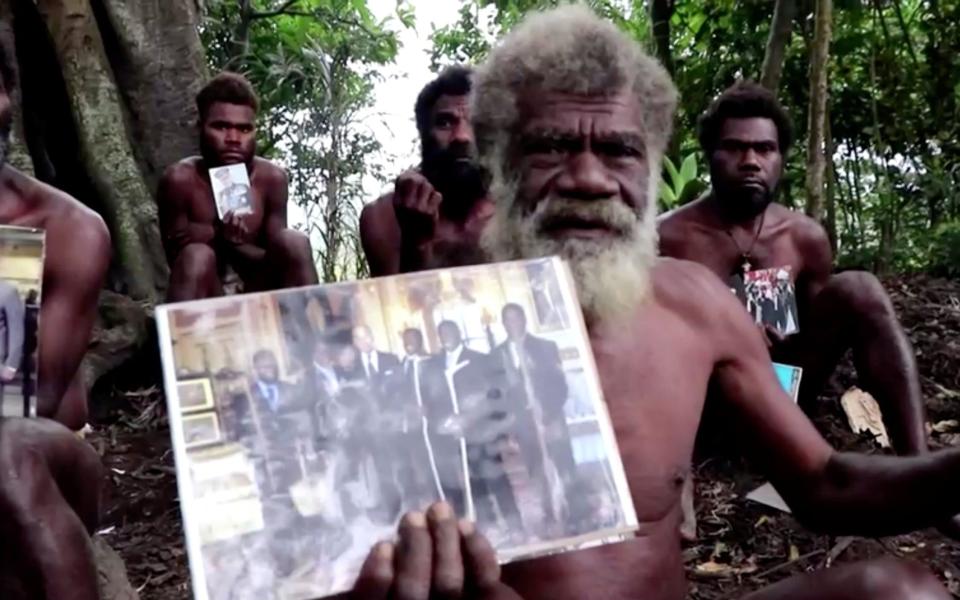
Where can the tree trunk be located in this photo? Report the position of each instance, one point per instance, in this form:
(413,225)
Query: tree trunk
(661,11)
(17,154)
(831,185)
(159,65)
(781,29)
(106,103)
(819,56)
(104,148)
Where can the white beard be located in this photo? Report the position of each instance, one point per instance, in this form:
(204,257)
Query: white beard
(612,276)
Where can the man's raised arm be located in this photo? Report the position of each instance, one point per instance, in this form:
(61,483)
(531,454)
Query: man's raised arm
(840,493)
(74,271)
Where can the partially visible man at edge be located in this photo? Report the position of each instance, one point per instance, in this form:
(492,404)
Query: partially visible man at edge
(77,257)
(436,212)
(572,119)
(258,246)
(51,481)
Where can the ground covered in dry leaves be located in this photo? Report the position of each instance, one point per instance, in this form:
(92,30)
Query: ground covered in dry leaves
(741,545)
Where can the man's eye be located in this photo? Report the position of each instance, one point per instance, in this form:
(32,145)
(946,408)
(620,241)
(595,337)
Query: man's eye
(618,150)
(545,146)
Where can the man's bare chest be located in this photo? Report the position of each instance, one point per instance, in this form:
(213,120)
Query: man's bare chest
(726,256)
(203,207)
(654,379)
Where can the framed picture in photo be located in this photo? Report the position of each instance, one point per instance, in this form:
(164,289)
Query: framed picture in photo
(201,429)
(195,395)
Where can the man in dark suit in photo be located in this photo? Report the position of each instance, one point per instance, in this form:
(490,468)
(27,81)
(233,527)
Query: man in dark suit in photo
(537,391)
(11,336)
(275,424)
(468,383)
(375,366)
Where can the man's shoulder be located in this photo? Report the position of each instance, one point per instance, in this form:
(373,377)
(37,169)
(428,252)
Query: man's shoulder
(7,289)
(471,354)
(268,171)
(675,225)
(380,208)
(541,341)
(687,287)
(183,171)
(65,217)
(803,229)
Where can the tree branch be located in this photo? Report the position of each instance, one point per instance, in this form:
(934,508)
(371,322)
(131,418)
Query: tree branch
(285,9)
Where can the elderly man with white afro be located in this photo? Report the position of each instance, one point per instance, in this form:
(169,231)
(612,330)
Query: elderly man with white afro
(571,119)
(570,52)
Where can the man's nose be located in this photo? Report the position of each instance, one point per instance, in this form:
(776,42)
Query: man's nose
(462,132)
(586,178)
(749,160)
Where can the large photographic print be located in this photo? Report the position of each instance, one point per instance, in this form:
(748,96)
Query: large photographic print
(21,273)
(335,409)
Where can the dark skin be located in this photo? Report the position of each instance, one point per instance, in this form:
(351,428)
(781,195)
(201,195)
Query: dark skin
(77,257)
(836,312)
(413,342)
(50,493)
(259,246)
(655,364)
(407,230)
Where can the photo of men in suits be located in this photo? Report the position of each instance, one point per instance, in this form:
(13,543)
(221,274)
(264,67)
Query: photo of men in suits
(12,314)
(275,424)
(537,392)
(464,399)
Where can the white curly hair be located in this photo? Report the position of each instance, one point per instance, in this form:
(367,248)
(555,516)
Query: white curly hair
(571,50)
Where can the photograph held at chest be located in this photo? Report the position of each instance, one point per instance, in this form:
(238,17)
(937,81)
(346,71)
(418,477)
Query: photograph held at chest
(300,441)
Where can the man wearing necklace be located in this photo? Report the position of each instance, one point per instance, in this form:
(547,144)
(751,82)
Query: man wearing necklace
(737,227)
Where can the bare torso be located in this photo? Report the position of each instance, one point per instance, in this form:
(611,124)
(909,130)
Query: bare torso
(77,257)
(453,243)
(654,375)
(694,233)
(189,212)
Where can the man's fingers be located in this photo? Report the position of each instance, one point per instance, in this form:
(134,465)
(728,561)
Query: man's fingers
(479,558)
(414,563)
(424,192)
(433,203)
(447,561)
(376,576)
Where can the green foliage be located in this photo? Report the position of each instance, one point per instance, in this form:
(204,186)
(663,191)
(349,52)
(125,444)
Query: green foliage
(483,21)
(894,105)
(682,185)
(944,250)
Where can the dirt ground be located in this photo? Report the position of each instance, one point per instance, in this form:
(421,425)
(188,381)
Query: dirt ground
(741,545)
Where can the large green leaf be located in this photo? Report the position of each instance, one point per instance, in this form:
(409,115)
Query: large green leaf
(688,170)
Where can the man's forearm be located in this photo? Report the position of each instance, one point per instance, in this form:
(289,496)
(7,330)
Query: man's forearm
(871,495)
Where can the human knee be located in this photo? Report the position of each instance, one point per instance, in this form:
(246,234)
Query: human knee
(197,261)
(292,246)
(862,293)
(892,579)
